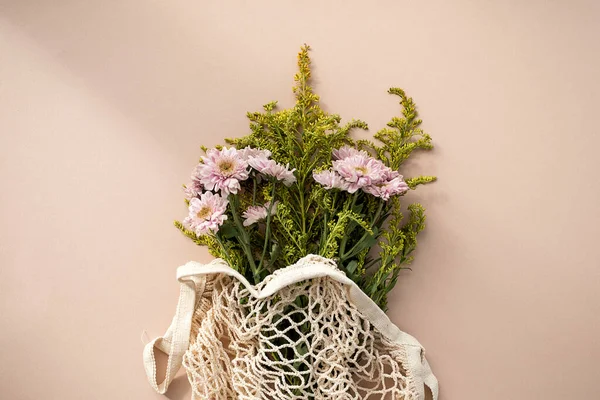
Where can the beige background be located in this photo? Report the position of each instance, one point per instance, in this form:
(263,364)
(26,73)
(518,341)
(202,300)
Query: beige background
(103,105)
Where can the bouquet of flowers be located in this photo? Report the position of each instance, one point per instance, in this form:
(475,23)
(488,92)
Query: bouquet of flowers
(310,234)
(299,185)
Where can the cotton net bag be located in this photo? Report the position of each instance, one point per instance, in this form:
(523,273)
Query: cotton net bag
(305,332)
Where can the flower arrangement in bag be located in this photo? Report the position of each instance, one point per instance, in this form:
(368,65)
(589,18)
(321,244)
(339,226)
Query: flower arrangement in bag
(299,184)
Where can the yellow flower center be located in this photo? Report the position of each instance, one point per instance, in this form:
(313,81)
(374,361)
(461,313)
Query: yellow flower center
(226,166)
(362,170)
(204,212)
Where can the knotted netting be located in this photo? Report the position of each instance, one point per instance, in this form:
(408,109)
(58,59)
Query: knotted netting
(306,332)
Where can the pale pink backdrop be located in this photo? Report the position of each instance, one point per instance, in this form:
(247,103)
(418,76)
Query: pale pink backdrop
(103,107)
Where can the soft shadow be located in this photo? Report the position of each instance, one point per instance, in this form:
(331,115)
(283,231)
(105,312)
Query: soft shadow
(157,64)
(179,389)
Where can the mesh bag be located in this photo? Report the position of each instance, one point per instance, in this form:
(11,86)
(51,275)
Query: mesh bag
(305,332)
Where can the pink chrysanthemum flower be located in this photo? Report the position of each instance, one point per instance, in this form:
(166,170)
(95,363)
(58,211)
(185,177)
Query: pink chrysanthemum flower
(250,152)
(271,168)
(388,189)
(222,170)
(207,213)
(260,164)
(360,171)
(257,213)
(330,180)
(195,187)
(347,151)
(389,174)
(192,189)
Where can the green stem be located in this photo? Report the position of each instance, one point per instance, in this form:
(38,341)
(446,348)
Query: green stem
(372,262)
(345,238)
(325,233)
(302,210)
(268,229)
(340,220)
(223,248)
(326,226)
(291,236)
(243,238)
(366,234)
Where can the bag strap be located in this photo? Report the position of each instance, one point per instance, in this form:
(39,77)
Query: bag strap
(176,340)
(192,277)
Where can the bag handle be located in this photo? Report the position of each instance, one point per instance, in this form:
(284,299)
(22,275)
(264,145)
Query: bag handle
(175,342)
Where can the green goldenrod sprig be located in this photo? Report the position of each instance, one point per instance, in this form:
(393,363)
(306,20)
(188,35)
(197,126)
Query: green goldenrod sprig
(365,233)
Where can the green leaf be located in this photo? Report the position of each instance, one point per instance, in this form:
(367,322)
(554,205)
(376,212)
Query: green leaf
(228,231)
(368,243)
(351,267)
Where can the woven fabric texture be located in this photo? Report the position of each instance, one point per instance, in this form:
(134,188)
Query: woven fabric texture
(303,333)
